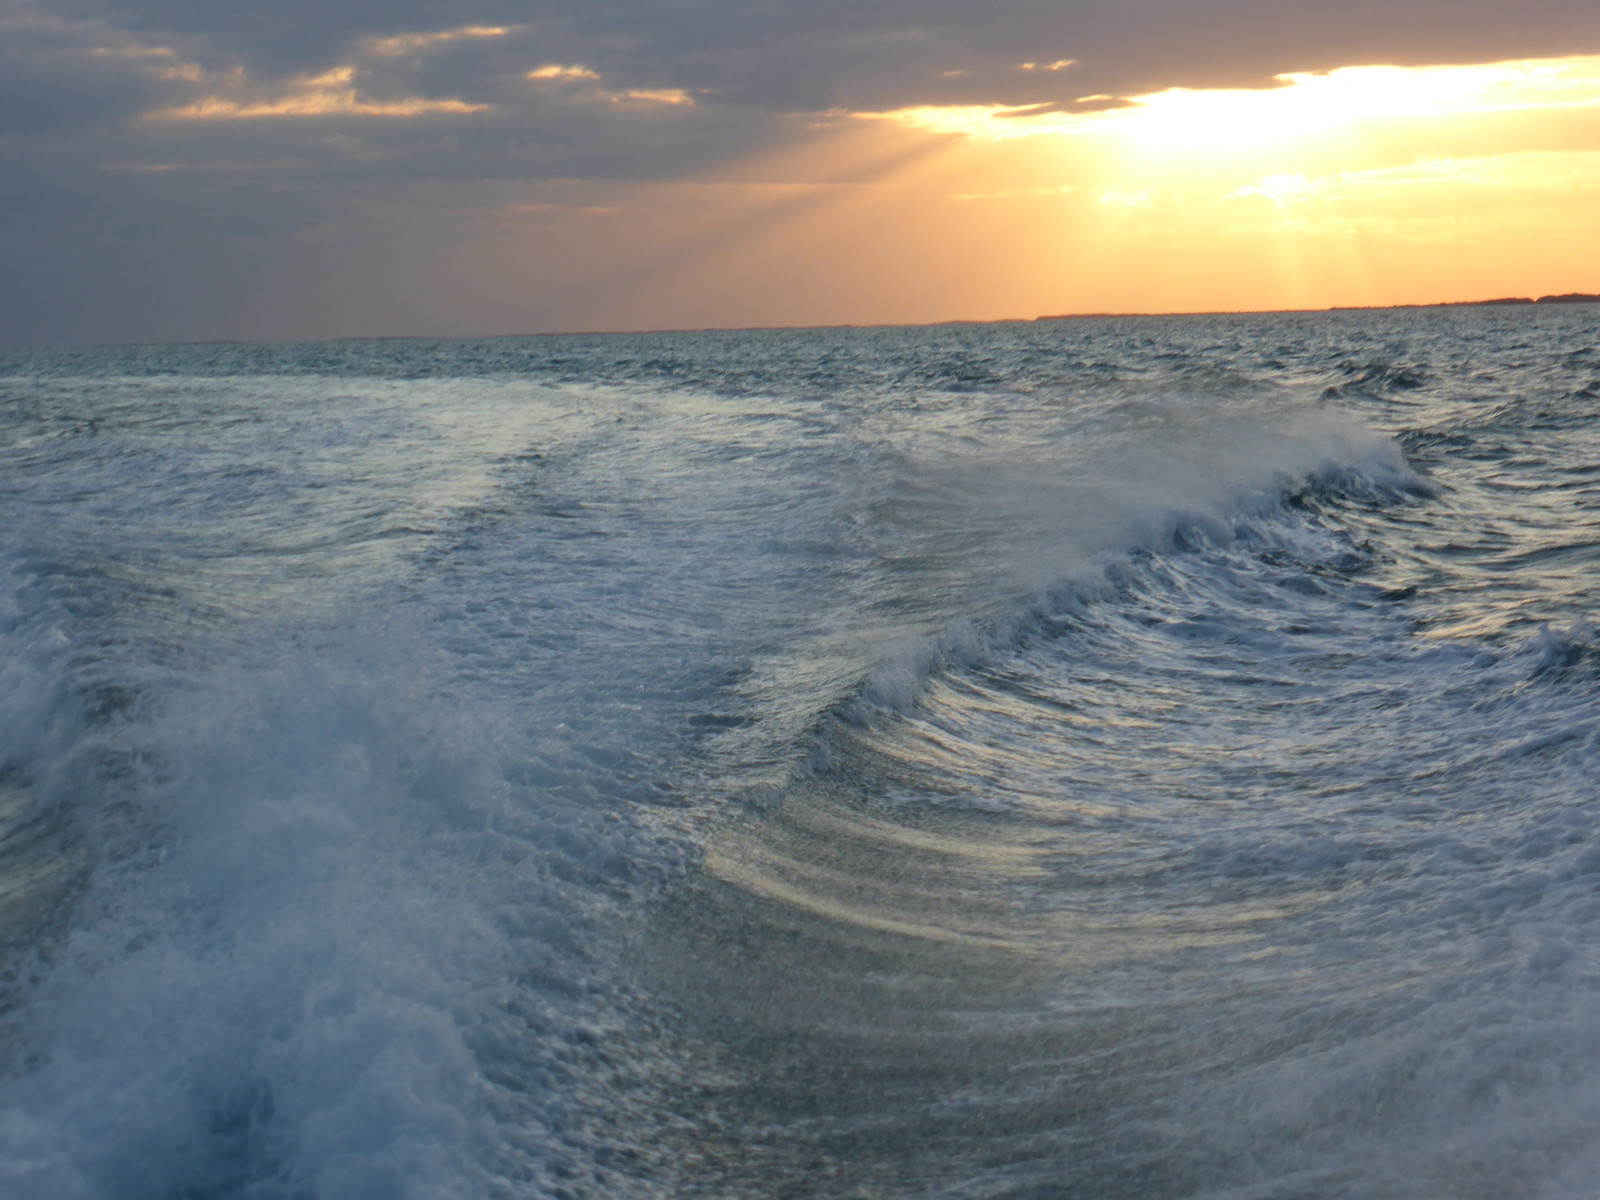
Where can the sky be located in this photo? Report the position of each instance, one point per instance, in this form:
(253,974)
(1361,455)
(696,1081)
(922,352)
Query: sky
(181,170)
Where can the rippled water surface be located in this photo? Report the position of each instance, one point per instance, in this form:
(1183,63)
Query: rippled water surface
(1133,758)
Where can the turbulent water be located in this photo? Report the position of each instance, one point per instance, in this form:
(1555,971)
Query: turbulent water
(1133,758)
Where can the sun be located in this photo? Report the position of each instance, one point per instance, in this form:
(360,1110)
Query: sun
(1298,109)
(1363,184)
(1184,121)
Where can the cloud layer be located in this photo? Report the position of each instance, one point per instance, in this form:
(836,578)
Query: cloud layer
(146,135)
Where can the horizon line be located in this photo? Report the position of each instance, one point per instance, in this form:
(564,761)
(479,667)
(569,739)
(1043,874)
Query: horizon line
(1505,302)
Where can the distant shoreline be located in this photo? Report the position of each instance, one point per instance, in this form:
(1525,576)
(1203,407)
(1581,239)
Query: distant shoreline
(1503,301)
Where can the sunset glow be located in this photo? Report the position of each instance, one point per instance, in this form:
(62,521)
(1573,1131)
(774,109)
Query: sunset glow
(1361,185)
(1341,187)
(333,93)
(1302,109)
(469,174)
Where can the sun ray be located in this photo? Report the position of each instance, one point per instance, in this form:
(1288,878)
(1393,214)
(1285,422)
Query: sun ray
(1353,185)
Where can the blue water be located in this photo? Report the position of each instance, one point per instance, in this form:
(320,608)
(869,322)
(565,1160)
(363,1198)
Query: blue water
(1108,758)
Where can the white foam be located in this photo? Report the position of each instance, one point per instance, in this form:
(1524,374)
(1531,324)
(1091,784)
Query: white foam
(286,969)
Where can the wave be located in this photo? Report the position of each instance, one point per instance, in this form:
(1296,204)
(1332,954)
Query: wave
(317,891)
(1049,537)
(347,910)
(1213,867)
(1224,885)
(990,789)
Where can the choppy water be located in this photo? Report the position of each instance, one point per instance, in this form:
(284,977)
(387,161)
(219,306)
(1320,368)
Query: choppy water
(1129,758)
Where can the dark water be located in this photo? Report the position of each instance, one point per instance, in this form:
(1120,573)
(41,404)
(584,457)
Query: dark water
(1130,758)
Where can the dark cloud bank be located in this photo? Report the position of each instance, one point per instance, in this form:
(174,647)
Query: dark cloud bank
(117,224)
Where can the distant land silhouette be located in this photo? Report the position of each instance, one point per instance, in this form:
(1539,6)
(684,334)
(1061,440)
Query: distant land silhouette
(1564,298)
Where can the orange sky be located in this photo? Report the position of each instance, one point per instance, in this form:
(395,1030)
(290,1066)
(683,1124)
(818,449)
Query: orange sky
(1364,186)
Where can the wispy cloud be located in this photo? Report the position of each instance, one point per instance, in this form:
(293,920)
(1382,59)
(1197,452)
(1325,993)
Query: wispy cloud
(406,43)
(592,87)
(330,94)
(554,71)
(1295,106)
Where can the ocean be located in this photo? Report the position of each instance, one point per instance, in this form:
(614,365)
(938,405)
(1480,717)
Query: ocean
(1128,757)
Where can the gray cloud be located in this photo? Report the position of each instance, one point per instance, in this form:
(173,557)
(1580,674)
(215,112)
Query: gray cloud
(822,53)
(57,78)
(93,64)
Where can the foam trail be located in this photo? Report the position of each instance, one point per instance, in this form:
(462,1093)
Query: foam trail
(1006,761)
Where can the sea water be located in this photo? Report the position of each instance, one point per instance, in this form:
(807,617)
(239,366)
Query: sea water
(1101,758)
